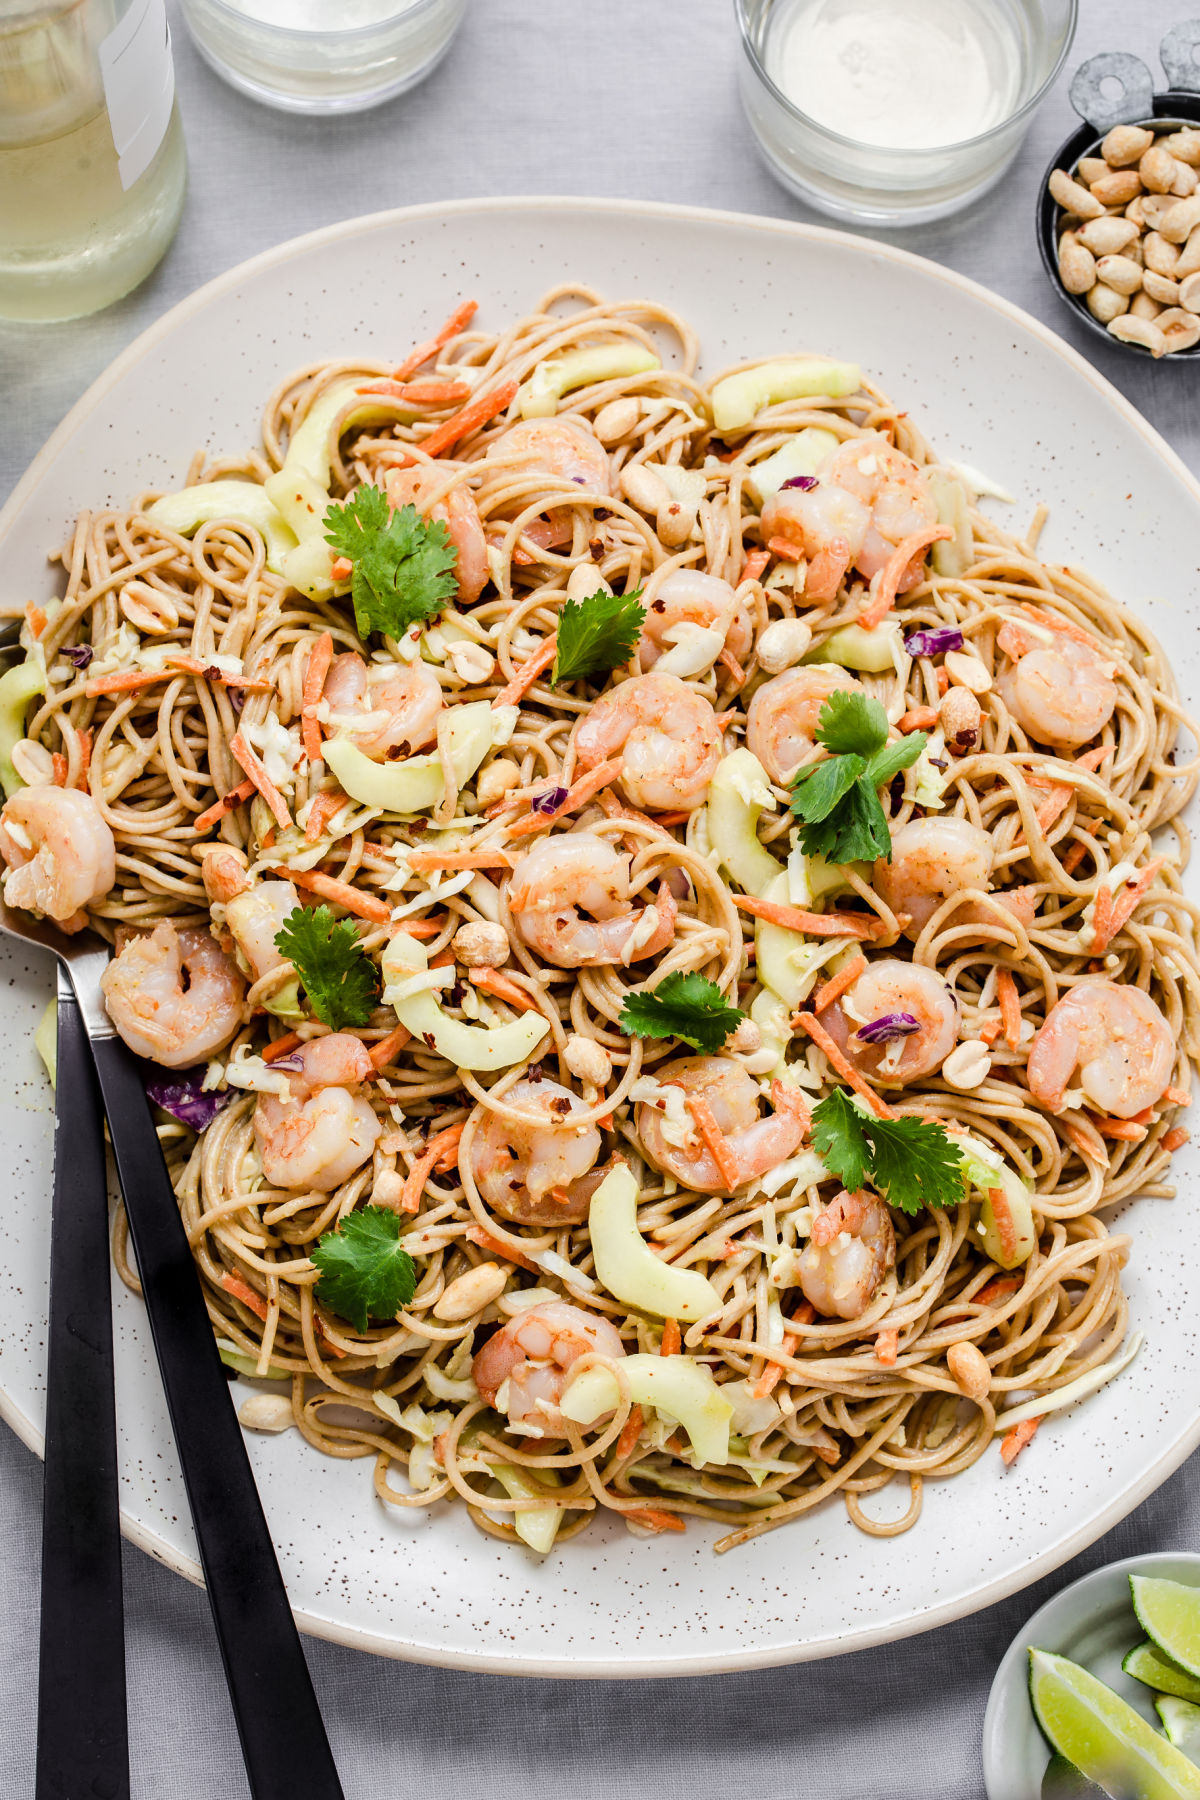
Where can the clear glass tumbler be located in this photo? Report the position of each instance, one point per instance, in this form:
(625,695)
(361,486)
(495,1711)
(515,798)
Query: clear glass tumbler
(323,56)
(92,162)
(1022,43)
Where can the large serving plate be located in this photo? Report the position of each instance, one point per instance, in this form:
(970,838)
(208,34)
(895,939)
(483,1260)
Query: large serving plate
(989,386)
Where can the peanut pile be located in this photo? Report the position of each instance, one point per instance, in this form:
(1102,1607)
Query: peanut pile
(1129,235)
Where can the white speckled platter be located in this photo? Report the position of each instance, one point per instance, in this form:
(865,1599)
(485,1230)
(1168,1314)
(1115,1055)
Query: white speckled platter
(989,386)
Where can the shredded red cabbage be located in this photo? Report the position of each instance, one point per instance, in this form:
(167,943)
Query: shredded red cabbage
(183,1098)
(934,641)
(803,482)
(550,801)
(891,1025)
(79,654)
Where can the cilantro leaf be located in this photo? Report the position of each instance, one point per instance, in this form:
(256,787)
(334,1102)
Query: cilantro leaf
(596,634)
(684,1006)
(912,1162)
(335,971)
(365,1274)
(837,800)
(404,565)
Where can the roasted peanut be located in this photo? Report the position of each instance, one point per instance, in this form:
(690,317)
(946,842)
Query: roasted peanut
(1126,144)
(480,945)
(587,1060)
(1156,170)
(1076,265)
(1119,272)
(1143,306)
(960,715)
(1184,146)
(494,781)
(967,670)
(1090,167)
(470,1293)
(1160,288)
(969,1367)
(1185,182)
(1107,236)
(1189,257)
(1179,220)
(1189,293)
(1158,255)
(1104,303)
(1117,188)
(1146,332)
(785,641)
(1074,197)
(1180,329)
(617,419)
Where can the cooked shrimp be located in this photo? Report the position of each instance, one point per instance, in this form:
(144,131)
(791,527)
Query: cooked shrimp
(522,1369)
(562,448)
(537,1174)
(1115,1036)
(60,853)
(1060,691)
(925,1011)
(731,1094)
(384,707)
(867,498)
(689,599)
(667,735)
(457,512)
(853,1246)
(154,1012)
(254,911)
(577,872)
(323,1132)
(781,722)
(931,860)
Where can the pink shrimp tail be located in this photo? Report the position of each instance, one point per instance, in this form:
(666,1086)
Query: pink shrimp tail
(844,1213)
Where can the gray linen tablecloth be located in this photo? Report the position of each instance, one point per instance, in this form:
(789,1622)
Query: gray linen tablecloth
(629,98)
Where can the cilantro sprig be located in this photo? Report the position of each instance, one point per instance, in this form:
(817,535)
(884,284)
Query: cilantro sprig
(335,971)
(682,1006)
(404,565)
(365,1272)
(912,1162)
(596,634)
(837,800)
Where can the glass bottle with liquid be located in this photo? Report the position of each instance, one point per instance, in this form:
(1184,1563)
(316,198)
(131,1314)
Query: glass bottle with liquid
(92,161)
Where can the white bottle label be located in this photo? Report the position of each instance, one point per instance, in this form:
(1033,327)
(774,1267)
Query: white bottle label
(139,86)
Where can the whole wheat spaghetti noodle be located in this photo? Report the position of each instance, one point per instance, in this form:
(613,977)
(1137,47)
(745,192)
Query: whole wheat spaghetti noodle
(195,687)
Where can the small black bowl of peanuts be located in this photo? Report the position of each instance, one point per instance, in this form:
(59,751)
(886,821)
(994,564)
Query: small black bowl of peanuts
(1119,210)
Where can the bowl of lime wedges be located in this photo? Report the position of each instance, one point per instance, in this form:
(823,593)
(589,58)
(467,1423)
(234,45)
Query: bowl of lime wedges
(1099,1694)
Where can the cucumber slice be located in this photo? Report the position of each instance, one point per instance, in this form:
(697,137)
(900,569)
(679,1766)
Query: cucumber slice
(1103,1737)
(1169,1613)
(1181,1722)
(1147,1663)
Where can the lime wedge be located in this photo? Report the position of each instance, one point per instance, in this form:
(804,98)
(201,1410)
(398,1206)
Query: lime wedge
(1181,1722)
(1169,1613)
(1102,1735)
(1062,1781)
(1147,1663)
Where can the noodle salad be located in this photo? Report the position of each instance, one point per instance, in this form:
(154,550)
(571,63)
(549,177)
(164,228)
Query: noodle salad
(655,926)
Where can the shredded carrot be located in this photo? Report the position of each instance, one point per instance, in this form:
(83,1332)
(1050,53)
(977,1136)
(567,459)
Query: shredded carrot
(233,1284)
(282,1046)
(1010,1007)
(1081,1140)
(668,819)
(1005,1223)
(1053,623)
(460,424)
(894,570)
(834,924)
(630,1432)
(494,1247)
(755,563)
(420,393)
(998,1288)
(364,906)
(459,859)
(1016,1439)
(249,761)
(341,568)
(422,1169)
(1122,910)
(942,677)
(785,550)
(773,1371)
(987,1034)
(192,665)
(524,677)
(324,807)
(85,756)
(492,981)
(1171,1140)
(672,1339)
(791,1100)
(323,1334)
(422,928)
(1176,1096)
(714,1140)
(1102,917)
(817,1032)
(383,1050)
(458,321)
(917,718)
(837,984)
(804,1314)
(729,661)
(654,1519)
(1124,1131)
(213,814)
(126,681)
(578,794)
(887,1347)
(35,619)
(59,764)
(314,683)
(1074,856)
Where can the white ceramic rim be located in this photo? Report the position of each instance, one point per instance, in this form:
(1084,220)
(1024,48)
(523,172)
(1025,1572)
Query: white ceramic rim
(864,1637)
